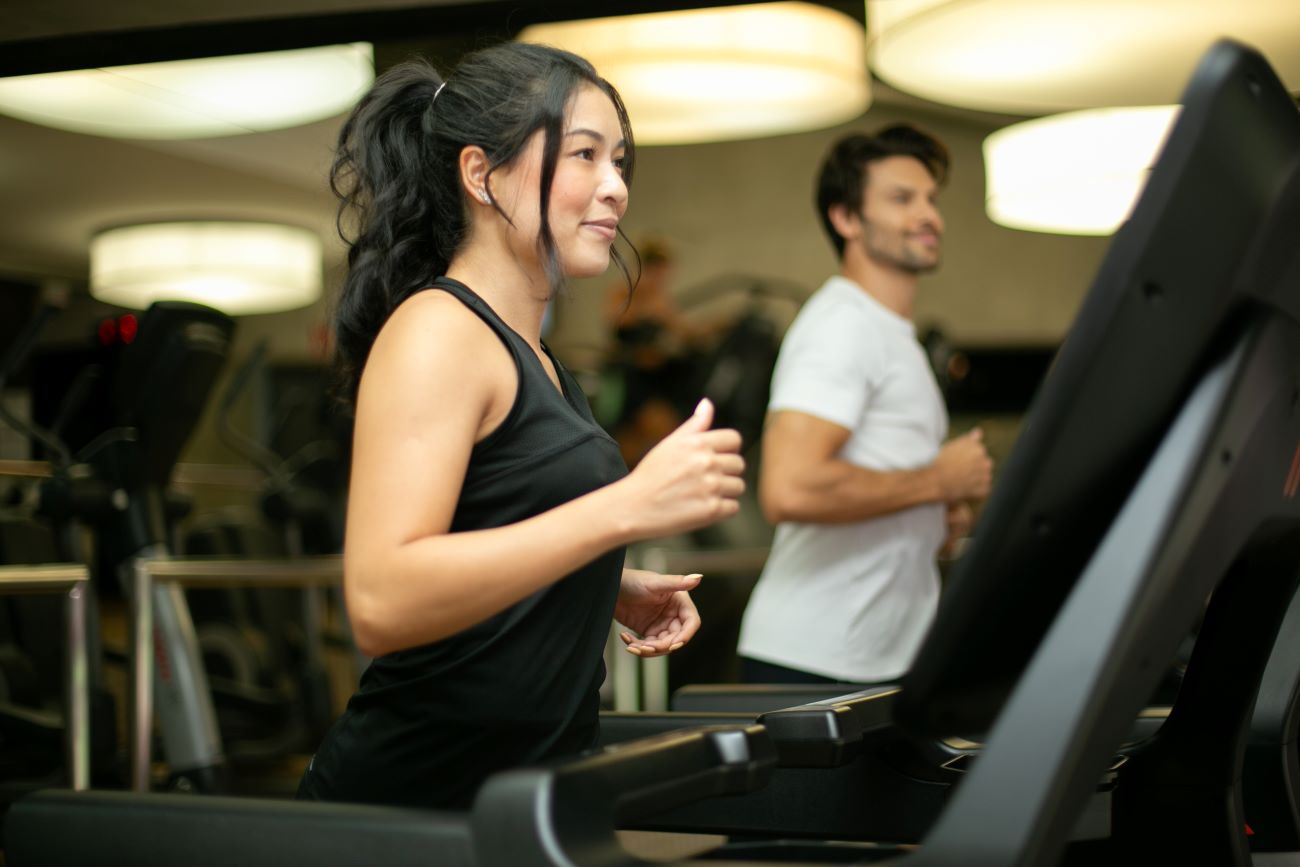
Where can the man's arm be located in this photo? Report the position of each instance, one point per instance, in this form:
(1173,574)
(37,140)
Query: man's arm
(803,478)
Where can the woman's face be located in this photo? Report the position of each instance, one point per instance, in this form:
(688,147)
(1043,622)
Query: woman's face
(588,195)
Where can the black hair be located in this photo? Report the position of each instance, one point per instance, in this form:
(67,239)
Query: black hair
(396,172)
(843,176)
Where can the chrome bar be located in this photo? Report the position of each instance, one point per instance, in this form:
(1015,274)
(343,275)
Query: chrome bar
(198,572)
(654,684)
(18,469)
(70,579)
(45,578)
(188,475)
(624,674)
(141,675)
(76,689)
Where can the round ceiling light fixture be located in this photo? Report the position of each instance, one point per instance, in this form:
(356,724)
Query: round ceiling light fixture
(200,98)
(715,74)
(236,267)
(1078,173)
(1041,56)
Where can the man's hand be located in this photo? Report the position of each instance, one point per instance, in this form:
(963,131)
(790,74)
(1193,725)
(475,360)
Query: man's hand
(959,516)
(658,608)
(964,468)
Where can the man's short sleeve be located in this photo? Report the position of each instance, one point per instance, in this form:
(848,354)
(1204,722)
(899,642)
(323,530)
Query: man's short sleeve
(826,366)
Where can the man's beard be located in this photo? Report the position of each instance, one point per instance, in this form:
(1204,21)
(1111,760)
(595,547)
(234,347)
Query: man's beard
(901,260)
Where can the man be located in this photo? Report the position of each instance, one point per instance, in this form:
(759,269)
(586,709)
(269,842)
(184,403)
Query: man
(855,472)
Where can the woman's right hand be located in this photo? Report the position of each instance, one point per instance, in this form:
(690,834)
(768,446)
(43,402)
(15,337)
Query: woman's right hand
(690,479)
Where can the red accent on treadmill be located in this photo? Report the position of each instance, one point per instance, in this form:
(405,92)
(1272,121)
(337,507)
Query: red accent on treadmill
(106,332)
(127,327)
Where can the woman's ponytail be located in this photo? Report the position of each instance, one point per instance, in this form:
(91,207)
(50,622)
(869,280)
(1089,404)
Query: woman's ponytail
(400,219)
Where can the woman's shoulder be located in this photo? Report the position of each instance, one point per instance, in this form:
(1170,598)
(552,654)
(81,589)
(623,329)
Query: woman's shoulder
(432,330)
(435,311)
(430,298)
(435,347)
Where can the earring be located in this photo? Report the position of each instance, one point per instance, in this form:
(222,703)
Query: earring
(484,197)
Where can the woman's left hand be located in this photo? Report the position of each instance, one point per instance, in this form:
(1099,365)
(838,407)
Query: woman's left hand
(659,609)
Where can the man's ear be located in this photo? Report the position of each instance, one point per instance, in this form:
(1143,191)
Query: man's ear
(474,166)
(847,223)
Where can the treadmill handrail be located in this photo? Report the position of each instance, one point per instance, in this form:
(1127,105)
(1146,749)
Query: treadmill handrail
(72,580)
(197,572)
(830,732)
(531,817)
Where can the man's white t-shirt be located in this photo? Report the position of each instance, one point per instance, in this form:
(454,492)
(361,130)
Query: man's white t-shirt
(853,601)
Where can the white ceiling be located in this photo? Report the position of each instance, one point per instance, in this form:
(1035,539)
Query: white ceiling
(57,188)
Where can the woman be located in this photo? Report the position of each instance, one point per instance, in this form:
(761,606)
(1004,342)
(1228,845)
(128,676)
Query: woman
(488,512)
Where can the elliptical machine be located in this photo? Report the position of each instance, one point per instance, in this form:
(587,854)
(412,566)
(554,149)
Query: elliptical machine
(158,394)
(39,524)
(263,646)
(147,403)
(144,410)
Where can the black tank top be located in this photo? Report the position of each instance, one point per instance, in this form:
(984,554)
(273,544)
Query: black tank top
(429,724)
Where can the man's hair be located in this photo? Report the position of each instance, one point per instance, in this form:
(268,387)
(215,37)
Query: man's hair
(843,176)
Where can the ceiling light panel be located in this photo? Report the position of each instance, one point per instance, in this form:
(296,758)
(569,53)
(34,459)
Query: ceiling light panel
(1040,56)
(202,98)
(735,72)
(236,267)
(1077,173)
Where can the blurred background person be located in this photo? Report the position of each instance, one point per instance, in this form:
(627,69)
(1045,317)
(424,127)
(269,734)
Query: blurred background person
(656,354)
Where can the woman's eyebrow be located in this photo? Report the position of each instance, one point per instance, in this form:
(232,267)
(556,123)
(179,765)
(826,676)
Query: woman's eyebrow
(596,135)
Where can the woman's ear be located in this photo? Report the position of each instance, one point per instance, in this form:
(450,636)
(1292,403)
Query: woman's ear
(474,167)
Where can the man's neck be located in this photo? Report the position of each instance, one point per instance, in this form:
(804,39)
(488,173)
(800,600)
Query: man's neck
(891,287)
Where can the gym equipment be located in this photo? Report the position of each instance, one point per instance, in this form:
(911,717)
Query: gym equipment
(150,575)
(1199,294)
(1271,767)
(135,424)
(1206,307)
(522,818)
(73,582)
(158,392)
(42,526)
(262,646)
(1127,502)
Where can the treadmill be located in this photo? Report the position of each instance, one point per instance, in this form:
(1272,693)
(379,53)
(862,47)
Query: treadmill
(1158,465)
(1158,468)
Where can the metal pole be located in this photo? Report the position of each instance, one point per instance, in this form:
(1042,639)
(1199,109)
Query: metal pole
(654,671)
(141,675)
(77,689)
(625,675)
